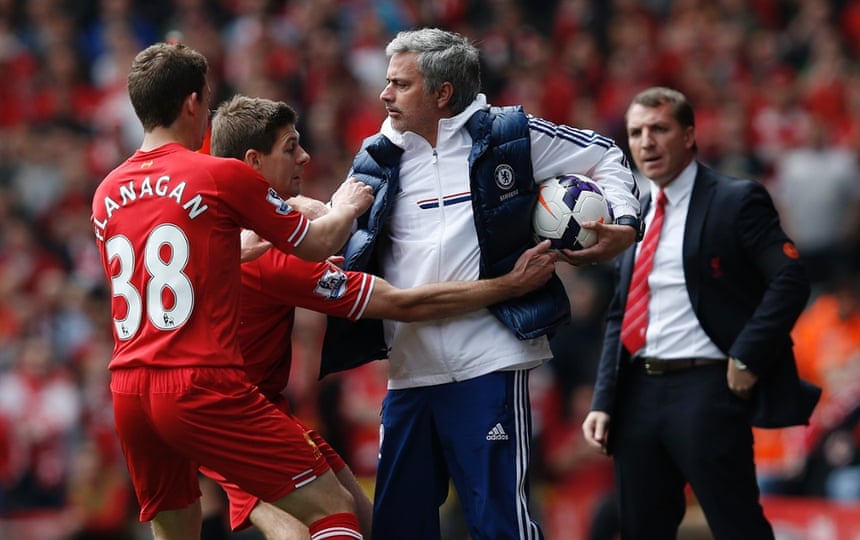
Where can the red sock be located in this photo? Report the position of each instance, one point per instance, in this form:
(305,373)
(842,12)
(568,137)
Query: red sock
(336,527)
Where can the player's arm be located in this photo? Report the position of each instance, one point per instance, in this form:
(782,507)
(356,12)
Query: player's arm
(253,245)
(611,241)
(311,208)
(446,299)
(328,233)
(603,161)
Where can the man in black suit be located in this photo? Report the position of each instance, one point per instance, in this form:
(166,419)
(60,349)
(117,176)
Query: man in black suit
(698,350)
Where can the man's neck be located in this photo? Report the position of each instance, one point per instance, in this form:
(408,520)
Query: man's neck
(160,136)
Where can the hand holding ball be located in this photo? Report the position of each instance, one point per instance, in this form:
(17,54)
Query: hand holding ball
(565,202)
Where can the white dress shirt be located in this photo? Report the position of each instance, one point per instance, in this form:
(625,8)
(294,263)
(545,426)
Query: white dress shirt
(673,328)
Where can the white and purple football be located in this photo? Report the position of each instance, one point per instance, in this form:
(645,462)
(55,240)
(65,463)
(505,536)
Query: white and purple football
(566,201)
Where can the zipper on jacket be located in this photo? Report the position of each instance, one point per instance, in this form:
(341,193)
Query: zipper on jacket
(440,246)
(441,194)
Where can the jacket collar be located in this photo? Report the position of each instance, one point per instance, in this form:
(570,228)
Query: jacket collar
(447,126)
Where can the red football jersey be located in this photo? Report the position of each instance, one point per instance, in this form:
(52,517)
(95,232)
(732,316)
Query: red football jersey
(167,226)
(272,287)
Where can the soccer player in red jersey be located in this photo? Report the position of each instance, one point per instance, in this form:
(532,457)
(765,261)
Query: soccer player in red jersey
(263,133)
(167,224)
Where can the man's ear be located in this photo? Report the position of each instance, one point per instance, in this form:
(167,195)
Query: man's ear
(191,102)
(444,94)
(690,137)
(252,158)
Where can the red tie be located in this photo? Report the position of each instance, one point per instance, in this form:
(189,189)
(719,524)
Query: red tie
(636,313)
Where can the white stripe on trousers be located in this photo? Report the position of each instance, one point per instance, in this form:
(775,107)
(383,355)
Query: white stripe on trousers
(527,529)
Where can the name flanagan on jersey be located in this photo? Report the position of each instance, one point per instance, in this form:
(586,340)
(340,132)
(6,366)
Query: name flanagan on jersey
(129,193)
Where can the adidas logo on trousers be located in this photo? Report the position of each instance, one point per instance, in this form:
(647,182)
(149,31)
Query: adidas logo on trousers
(497,434)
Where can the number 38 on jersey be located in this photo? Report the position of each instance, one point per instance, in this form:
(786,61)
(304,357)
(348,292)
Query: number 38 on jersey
(168,296)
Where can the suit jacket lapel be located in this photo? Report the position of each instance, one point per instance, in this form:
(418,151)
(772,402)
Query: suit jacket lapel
(697,213)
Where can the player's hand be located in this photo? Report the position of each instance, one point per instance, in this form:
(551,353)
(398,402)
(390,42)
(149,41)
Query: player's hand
(336,260)
(253,246)
(611,241)
(353,193)
(534,268)
(741,381)
(596,429)
(311,208)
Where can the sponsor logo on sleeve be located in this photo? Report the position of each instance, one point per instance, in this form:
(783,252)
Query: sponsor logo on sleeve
(280,204)
(332,284)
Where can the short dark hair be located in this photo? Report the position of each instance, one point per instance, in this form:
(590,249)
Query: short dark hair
(160,78)
(660,95)
(243,123)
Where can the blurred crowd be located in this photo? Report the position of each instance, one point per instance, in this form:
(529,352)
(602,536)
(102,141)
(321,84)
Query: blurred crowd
(776,87)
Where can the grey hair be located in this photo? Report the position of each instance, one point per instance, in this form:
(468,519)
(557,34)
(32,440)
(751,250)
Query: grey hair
(443,57)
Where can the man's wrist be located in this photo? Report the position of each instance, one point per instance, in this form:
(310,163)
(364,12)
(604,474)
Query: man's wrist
(632,221)
(738,364)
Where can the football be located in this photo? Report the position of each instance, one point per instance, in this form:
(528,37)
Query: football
(566,201)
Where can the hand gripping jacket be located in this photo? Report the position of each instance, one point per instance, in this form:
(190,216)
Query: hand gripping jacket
(504,193)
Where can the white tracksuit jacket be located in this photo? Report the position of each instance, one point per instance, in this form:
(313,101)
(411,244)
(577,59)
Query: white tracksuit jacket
(432,238)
